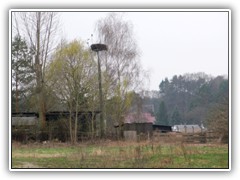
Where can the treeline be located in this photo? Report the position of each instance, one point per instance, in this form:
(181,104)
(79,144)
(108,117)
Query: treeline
(195,98)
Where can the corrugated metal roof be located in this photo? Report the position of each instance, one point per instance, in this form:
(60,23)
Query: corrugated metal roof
(187,128)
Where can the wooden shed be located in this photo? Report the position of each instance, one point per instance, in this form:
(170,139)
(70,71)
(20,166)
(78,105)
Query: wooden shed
(136,131)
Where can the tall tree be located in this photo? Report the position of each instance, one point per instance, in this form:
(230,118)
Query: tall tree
(120,65)
(162,116)
(22,72)
(72,76)
(175,118)
(38,28)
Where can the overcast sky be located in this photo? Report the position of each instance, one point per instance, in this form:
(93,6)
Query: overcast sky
(171,43)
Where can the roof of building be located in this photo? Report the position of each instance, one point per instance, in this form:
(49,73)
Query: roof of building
(187,128)
(53,115)
(139,118)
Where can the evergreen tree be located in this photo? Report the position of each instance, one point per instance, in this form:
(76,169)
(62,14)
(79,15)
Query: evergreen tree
(162,116)
(176,118)
(193,95)
(22,74)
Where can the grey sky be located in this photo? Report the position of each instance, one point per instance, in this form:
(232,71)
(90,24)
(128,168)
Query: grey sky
(170,42)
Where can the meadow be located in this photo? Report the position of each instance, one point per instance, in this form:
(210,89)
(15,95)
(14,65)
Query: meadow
(119,154)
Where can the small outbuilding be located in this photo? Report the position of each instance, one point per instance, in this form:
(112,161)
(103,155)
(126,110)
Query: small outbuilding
(188,128)
(136,131)
(138,126)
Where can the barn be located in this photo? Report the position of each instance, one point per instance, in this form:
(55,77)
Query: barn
(137,124)
(25,125)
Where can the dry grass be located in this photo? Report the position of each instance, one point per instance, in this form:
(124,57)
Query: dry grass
(119,154)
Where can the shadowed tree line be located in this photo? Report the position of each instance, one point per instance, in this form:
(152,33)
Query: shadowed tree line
(195,98)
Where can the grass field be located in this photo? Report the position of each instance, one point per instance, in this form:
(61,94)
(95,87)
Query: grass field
(119,155)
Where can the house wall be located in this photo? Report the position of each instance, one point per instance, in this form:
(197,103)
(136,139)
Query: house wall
(141,130)
(24,121)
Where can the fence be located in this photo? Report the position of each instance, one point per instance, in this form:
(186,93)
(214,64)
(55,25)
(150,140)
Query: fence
(173,137)
(26,133)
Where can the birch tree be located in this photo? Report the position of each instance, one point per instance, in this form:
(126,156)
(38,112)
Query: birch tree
(121,66)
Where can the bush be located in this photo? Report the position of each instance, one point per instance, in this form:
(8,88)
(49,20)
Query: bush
(218,120)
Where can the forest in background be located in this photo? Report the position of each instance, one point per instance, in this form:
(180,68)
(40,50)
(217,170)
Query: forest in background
(189,99)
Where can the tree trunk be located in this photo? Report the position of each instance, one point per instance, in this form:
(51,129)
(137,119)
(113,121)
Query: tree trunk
(42,110)
(70,126)
(40,82)
(16,105)
(76,124)
(92,124)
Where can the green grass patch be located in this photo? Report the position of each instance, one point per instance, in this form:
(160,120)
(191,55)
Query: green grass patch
(121,155)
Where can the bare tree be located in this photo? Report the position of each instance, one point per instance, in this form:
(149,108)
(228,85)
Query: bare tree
(39,29)
(218,120)
(121,66)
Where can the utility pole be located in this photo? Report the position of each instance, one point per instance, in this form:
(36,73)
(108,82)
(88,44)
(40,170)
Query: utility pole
(97,48)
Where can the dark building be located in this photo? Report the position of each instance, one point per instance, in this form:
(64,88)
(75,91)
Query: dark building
(137,131)
(162,128)
(139,127)
(25,125)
